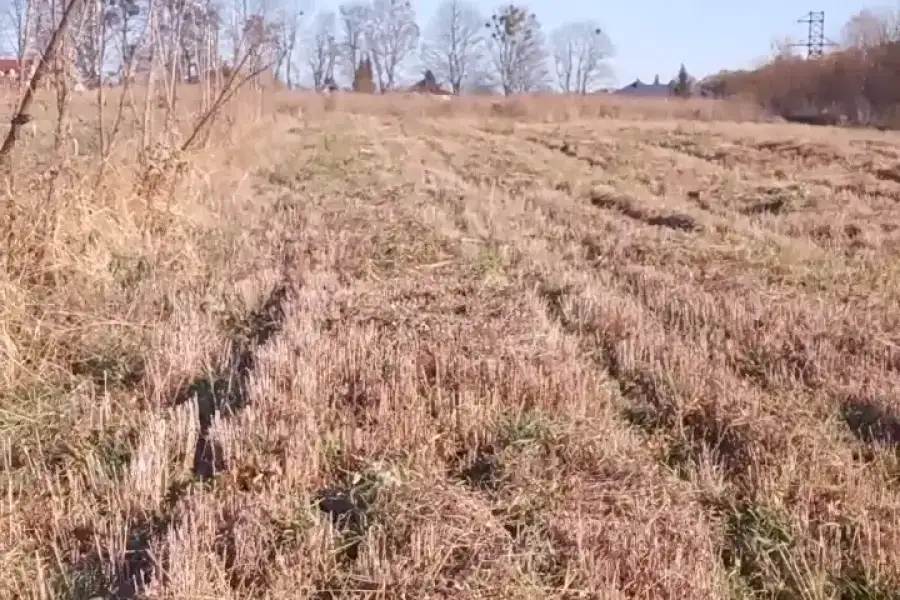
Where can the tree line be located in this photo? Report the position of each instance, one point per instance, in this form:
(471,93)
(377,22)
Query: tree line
(466,50)
(463,48)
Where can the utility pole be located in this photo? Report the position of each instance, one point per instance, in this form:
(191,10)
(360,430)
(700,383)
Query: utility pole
(815,40)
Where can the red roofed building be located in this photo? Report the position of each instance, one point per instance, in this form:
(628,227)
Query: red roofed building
(10,69)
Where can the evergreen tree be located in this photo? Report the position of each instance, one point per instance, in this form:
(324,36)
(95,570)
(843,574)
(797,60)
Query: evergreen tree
(363,81)
(682,87)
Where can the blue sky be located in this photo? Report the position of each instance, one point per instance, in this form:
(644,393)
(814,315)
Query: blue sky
(656,36)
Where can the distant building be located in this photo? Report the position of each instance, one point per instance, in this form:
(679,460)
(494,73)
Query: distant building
(639,88)
(10,69)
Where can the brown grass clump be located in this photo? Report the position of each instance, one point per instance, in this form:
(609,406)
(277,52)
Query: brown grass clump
(387,348)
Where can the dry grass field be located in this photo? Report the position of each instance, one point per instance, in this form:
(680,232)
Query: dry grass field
(391,350)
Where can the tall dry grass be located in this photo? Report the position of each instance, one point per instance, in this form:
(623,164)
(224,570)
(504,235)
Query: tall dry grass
(545,108)
(56,214)
(110,288)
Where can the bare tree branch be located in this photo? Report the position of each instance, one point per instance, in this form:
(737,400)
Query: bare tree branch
(289,30)
(262,53)
(782,48)
(871,27)
(580,53)
(391,36)
(323,50)
(19,19)
(353,20)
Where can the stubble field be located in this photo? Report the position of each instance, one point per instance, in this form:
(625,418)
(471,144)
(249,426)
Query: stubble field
(388,355)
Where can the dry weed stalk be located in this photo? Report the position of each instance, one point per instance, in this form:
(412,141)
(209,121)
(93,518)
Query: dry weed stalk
(259,54)
(22,114)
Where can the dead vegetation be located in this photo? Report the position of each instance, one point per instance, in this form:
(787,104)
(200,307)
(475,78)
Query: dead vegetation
(383,348)
(854,86)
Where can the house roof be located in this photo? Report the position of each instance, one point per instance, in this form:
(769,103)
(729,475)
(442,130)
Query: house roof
(7,64)
(639,88)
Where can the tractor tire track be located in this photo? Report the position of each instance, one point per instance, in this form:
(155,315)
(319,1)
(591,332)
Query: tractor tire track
(139,563)
(649,401)
(664,377)
(224,396)
(227,393)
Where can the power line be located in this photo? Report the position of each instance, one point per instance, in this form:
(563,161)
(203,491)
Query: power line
(815,40)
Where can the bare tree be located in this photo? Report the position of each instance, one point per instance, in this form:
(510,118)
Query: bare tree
(288,30)
(323,51)
(580,52)
(782,49)
(18,21)
(353,21)
(102,23)
(391,36)
(518,51)
(870,28)
(455,43)
(237,14)
(176,30)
